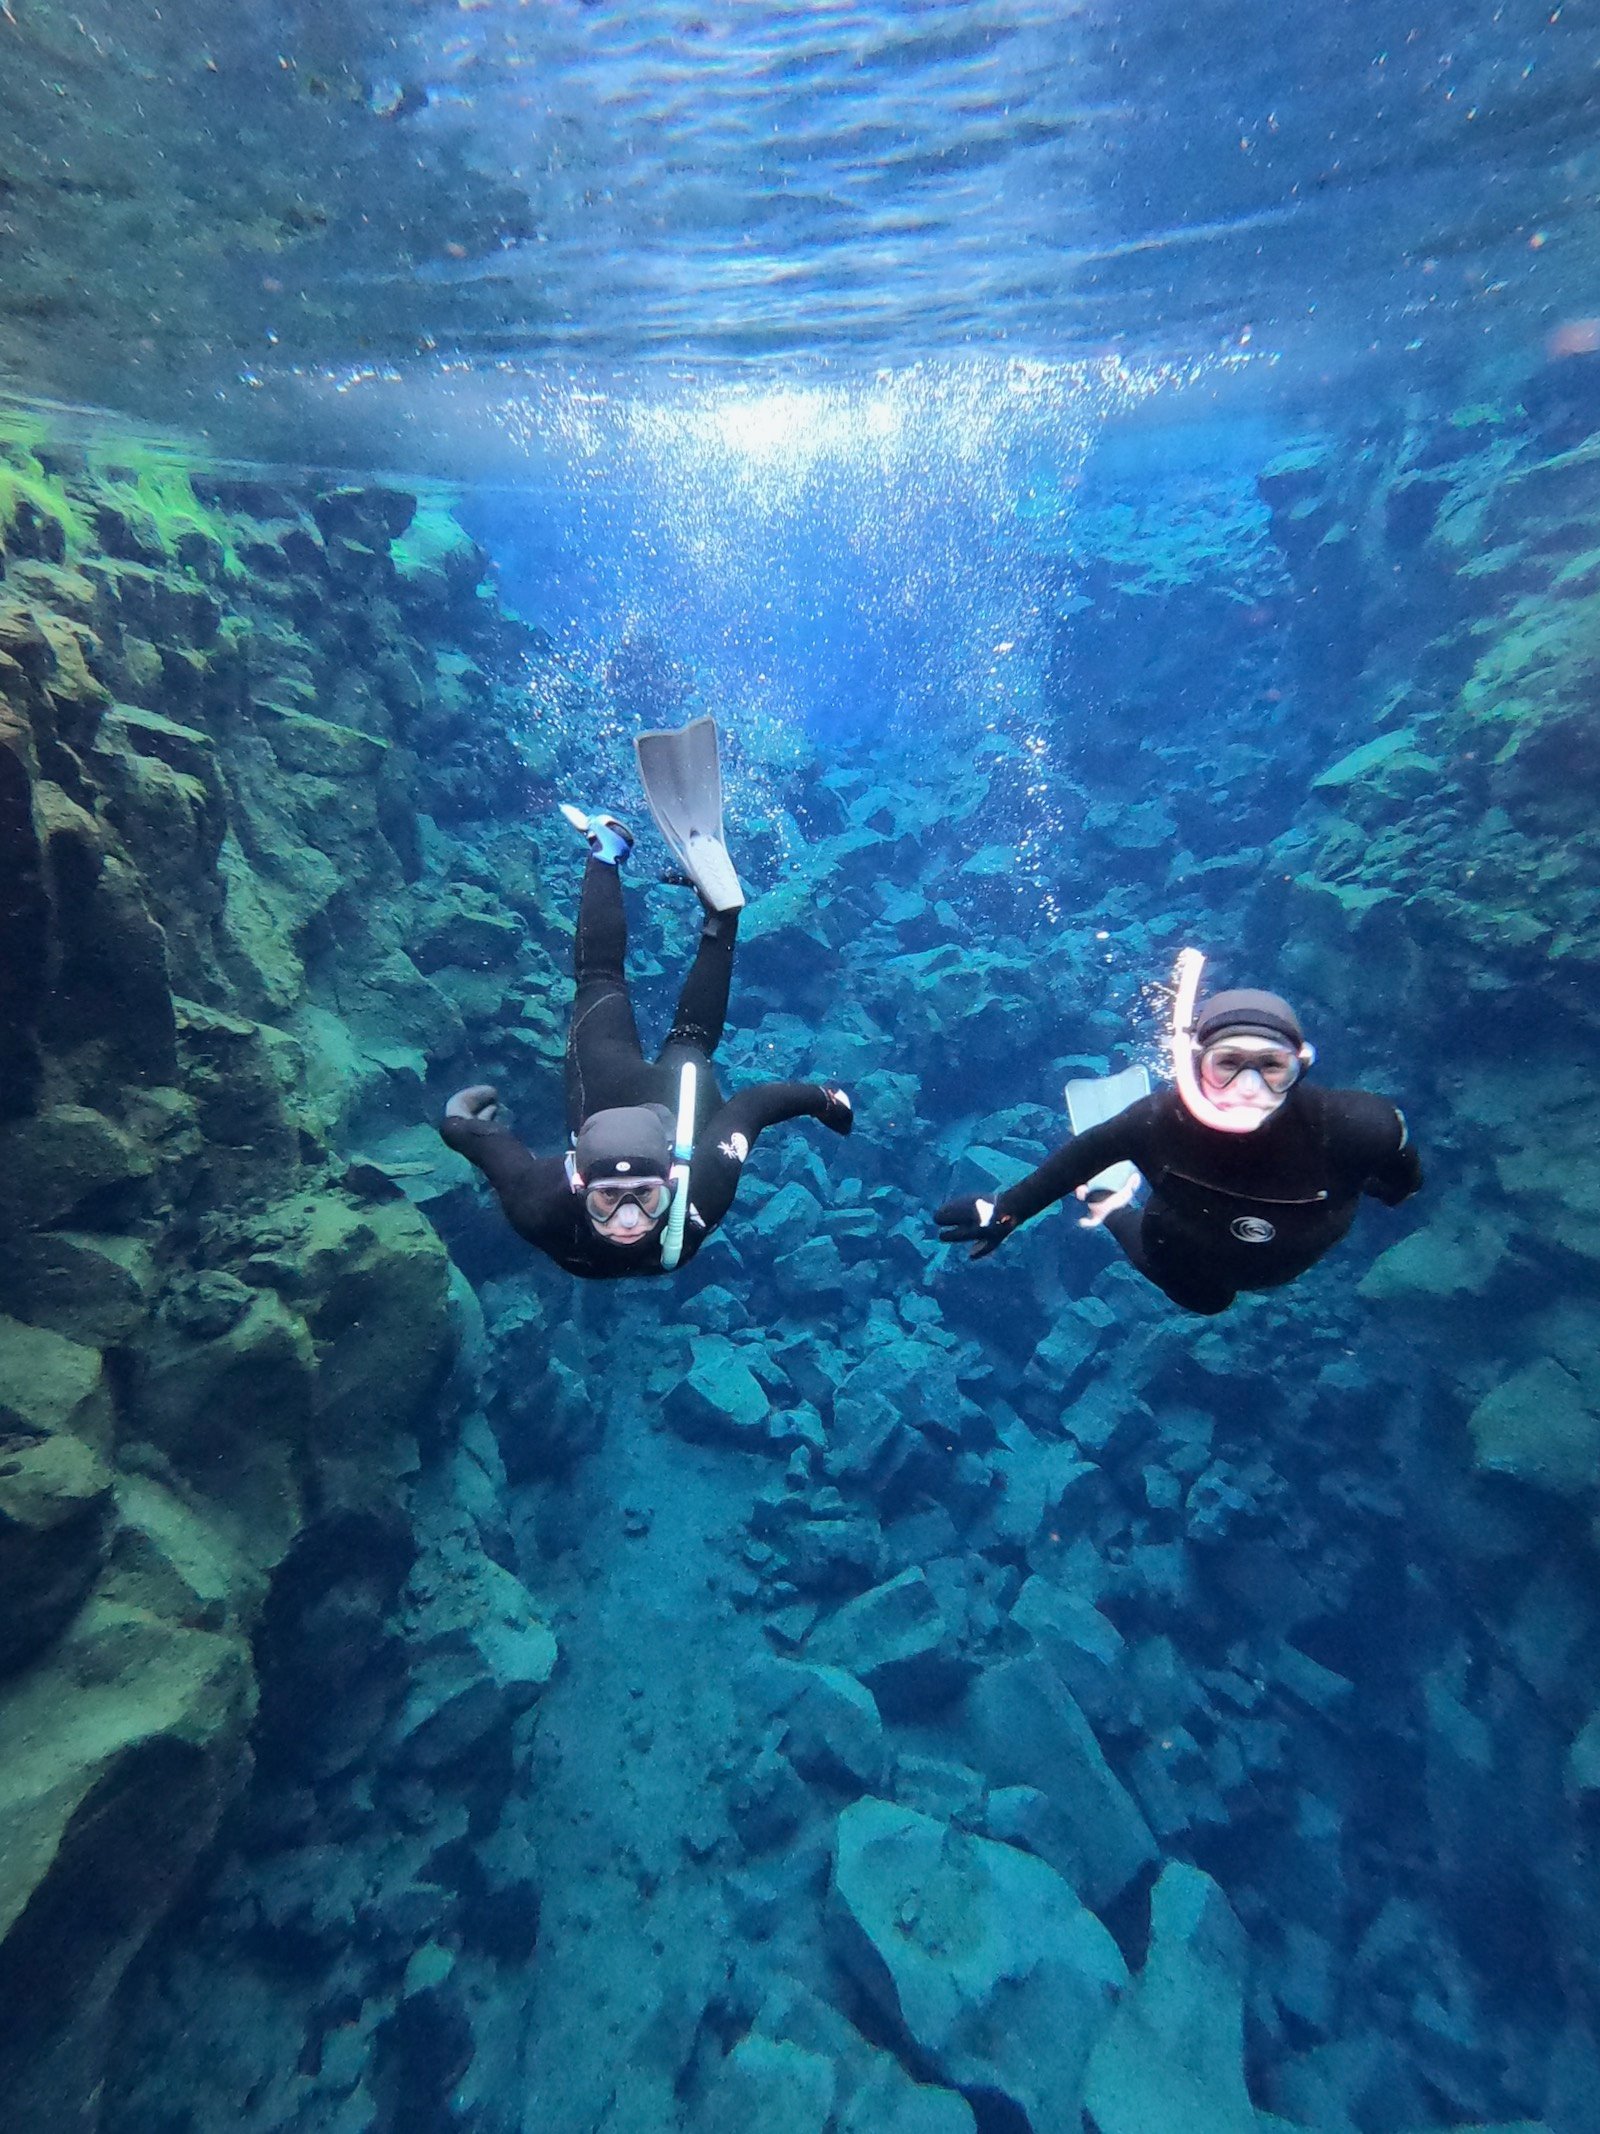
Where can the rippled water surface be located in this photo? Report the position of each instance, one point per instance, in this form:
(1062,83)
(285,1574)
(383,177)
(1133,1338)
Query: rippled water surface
(196,201)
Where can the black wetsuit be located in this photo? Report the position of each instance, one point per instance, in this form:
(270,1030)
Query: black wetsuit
(606,1067)
(1228,1212)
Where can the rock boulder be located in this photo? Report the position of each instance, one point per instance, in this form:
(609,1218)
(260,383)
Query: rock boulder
(981,1955)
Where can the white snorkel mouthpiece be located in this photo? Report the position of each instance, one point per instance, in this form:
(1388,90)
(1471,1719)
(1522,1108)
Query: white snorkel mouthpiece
(1186,993)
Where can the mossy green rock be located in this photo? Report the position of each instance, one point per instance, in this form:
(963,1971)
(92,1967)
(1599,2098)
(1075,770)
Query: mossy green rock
(1391,765)
(55,1494)
(394,1008)
(50,1384)
(478,996)
(148,733)
(327,750)
(372,1285)
(230,1410)
(65,1159)
(88,1285)
(437,559)
(123,1746)
(206,839)
(232,1070)
(470,928)
(168,1559)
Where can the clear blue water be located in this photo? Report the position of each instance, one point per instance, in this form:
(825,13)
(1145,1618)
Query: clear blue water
(1122,477)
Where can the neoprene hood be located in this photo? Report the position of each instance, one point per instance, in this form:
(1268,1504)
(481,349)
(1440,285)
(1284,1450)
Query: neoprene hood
(1248,1012)
(631,1141)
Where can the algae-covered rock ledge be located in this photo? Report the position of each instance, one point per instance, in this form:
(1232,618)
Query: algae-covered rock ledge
(224,1352)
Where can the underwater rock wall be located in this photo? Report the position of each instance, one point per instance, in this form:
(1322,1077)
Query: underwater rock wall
(236,1535)
(1439,893)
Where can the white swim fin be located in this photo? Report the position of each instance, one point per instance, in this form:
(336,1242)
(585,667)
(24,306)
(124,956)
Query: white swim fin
(681,771)
(1091,1101)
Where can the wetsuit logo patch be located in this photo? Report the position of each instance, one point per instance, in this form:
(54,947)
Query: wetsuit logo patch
(1252,1230)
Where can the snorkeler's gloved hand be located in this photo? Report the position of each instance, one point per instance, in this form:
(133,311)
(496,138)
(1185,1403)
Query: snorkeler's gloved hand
(481,1101)
(975,1220)
(837,1110)
(1102,1201)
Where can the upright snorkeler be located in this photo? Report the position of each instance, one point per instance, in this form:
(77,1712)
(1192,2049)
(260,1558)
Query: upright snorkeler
(656,1153)
(1253,1173)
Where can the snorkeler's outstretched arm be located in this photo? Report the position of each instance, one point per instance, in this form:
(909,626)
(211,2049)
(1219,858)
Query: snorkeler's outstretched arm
(985,1221)
(534,1192)
(732,1132)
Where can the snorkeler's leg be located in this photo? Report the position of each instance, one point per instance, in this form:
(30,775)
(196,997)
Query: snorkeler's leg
(702,1010)
(1127,1226)
(600,947)
(603,1050)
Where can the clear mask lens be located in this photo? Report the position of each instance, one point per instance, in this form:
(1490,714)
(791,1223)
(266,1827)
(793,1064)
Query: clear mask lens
(648,1195)
(1279,1067)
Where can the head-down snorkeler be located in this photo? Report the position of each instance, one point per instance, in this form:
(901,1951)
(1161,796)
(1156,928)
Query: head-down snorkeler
(1253,1173)
(656,1154)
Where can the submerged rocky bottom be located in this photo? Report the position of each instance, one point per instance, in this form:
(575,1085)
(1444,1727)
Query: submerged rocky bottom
(846,1688)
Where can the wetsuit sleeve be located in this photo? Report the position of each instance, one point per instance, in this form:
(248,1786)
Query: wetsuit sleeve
(1117,1140)
(1399,1174)
(731,1133)
(533,1191)
(1375,1143)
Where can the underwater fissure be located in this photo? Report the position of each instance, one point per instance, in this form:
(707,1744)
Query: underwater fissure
(750,1702)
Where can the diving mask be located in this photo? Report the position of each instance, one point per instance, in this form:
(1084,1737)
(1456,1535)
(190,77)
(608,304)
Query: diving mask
(1279,1066)
(610,1196)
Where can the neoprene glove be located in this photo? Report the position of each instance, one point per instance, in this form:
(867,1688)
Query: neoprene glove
(837,1110)
(974,1220)
(480,1102)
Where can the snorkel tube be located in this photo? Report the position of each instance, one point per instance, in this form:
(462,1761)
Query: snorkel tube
(1186,983)
(682,1151)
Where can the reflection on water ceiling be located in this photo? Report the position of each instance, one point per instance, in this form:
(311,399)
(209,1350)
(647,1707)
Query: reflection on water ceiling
(195,199)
